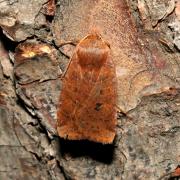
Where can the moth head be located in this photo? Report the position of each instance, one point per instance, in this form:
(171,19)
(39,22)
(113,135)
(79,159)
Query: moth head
(92,51)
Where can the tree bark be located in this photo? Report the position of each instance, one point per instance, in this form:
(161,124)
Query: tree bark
(38,38)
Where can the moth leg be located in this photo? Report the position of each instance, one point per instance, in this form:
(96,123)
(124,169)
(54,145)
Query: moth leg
(59,44)
(64,73)
(122,112)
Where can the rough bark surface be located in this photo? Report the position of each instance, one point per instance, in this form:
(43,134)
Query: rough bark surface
(37,38)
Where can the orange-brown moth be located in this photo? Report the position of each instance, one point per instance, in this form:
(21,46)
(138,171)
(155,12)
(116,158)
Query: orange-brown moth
(87,105)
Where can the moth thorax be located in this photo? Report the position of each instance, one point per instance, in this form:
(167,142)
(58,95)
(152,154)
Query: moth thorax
(92,57)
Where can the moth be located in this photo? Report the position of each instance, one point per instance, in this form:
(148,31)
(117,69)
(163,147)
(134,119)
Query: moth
(87,104)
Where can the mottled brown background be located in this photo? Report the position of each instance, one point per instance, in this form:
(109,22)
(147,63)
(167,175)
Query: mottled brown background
(144,37)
